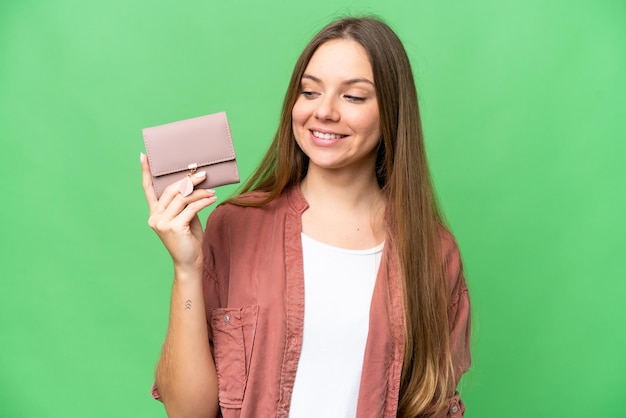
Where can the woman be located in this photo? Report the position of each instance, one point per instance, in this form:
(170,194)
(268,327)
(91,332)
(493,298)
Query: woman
(340,214)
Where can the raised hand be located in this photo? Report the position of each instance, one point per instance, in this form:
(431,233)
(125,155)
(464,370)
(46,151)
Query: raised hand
(175,218)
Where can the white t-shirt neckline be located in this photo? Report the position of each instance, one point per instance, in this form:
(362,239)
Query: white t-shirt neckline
(376,249)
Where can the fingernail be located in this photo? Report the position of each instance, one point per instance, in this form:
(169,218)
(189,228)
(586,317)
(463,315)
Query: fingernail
(200,174)
(142,157)
(210,191)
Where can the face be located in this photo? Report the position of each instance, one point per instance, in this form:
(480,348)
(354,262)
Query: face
(335,118)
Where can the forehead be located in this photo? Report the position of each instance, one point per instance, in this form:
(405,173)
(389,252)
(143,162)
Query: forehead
(340,59)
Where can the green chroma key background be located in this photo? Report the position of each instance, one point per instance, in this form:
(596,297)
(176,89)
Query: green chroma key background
(523,107)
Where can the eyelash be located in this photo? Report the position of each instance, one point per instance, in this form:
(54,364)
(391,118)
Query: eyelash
(354,99)
(308,94)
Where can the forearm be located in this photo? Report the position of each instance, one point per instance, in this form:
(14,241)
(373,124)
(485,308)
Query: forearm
(186,376)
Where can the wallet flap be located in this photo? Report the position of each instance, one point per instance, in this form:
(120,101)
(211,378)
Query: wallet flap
(175,146)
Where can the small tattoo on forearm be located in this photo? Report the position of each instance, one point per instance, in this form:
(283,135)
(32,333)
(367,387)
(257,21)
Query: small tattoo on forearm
(188,304)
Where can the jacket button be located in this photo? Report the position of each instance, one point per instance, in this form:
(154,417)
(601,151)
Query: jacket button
(454,409)
(226,318)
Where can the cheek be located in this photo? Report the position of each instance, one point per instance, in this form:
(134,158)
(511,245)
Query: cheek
(297,121)
(369,124)
(298,113)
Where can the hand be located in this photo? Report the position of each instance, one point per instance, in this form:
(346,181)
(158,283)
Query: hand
(175,218)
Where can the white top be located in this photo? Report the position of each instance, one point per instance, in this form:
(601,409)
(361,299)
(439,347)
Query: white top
(338,288)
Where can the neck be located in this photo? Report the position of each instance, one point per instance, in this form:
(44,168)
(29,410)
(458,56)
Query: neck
(336,188)
(345,209)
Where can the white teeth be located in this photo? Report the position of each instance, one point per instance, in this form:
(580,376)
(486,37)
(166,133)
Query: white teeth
(326,136)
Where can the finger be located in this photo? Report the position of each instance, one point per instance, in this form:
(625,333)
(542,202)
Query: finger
(180,214)
(187,215)
(172,191)
(146,181)
(180,203)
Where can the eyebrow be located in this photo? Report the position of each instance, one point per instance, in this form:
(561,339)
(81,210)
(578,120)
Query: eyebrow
(348,82)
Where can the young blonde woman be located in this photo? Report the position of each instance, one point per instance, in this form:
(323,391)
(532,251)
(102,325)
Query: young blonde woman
(329,286)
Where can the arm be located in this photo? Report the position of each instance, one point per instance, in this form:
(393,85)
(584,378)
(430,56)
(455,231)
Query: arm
(459,317)
(459,312)
(186,379)
(459,343)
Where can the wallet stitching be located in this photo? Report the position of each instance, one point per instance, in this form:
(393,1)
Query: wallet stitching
(200,165)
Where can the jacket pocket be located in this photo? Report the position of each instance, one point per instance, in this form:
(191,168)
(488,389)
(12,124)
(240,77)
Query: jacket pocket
(233,337)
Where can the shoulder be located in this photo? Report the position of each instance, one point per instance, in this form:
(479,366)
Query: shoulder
(448,245)
(452,264)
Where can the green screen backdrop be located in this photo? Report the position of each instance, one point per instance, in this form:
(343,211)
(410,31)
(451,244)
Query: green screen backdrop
(523,108)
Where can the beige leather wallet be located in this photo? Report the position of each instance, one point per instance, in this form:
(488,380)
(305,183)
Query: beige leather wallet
(179,149)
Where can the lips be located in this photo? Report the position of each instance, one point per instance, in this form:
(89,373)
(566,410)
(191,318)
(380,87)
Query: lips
(327,135)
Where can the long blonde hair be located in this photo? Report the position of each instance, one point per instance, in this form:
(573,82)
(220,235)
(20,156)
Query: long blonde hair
(411,214)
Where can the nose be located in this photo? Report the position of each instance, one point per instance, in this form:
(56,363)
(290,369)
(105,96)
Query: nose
(327,109)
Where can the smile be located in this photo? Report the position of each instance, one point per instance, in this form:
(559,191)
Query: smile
(322,135)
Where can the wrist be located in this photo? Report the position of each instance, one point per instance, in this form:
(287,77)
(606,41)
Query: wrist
(188,273)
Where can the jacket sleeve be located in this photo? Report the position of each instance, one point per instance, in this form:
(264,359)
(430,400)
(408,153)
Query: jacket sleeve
(459,320)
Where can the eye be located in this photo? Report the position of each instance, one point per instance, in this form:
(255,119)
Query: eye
(354,99)
(308,94)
